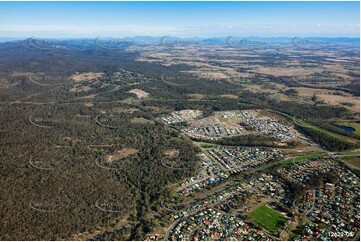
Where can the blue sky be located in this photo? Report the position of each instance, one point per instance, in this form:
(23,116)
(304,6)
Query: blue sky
(181,19)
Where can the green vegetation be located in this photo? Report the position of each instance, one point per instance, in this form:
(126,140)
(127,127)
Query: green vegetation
(268,218)
(355,125)
(306,157)
(353,161)
(137,183)
(349,153)
(328,142)
(321,130)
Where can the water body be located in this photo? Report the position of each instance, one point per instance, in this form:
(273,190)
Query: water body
(346,128)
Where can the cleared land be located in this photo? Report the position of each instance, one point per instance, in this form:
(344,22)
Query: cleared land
(139,93)
(120,154)
(332,97)
(78,77)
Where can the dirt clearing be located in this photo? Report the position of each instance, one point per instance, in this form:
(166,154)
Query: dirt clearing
(121,154)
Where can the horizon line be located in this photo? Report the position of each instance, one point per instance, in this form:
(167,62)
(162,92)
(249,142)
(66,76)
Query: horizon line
(170,36)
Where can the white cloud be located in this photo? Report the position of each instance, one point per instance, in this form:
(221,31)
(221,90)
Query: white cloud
(58,31)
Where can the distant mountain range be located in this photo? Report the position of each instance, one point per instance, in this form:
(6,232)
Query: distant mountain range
(215,40)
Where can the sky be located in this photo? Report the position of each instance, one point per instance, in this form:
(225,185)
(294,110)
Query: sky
(180,19)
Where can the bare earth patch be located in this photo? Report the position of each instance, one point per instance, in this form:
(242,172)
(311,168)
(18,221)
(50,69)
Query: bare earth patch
(78,77)
(231,96)
(124,110)
(121,154)
(205,121)
(4,83)
(171,153)
(80,88)
(88,104)
(139,93)
(286,71)
(196,96)
(332,97)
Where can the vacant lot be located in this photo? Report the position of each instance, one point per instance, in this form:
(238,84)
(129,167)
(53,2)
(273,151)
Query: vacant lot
(268,218)
(231,96)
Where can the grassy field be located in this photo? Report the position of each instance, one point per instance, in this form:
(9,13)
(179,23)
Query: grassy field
(353,161)
(268,218)
(141,121)
(350,153)
(308,125)
(332,134)
(285,162)
(354,125)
